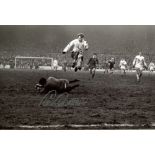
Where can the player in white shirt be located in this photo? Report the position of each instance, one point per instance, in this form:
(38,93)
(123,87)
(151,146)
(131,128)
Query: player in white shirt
(55,64)
(123,66)
(151,67)
(139,64)
(77,47)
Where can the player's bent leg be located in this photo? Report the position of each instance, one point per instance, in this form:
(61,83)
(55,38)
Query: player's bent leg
(75,69)
(111,71)
(93,73)
(74,63)
(124,71)
(138,74)
(74,56)
(79,63)
(90,70)
(69,88)
(73,81)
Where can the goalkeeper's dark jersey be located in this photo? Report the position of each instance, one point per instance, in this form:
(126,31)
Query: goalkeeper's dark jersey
(93,62)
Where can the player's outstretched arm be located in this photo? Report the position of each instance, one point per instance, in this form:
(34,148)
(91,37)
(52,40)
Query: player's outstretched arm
(68,47)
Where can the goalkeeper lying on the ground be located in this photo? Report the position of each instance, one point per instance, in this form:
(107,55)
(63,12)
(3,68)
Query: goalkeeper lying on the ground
(53,84)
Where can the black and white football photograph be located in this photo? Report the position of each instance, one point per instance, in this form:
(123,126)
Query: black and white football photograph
(77,77)
(68,77)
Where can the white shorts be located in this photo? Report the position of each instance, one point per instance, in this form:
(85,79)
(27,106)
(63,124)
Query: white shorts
(123,67)
(55,66)
(139,68)
(151,68)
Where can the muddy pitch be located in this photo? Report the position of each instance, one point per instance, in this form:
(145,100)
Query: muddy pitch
(107,99)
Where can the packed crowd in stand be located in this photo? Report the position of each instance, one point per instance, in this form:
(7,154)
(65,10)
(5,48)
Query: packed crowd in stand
(66,63)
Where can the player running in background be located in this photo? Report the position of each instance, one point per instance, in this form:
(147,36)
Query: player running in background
(151,67)
(77,47)
(123,66)
(55,64)
(92,64)
(106,66)
(139,64)
(111,63)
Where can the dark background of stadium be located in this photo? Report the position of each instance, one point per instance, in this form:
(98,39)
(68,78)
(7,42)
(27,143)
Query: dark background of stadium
(45,39)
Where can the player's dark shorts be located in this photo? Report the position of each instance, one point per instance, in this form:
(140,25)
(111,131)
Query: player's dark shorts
(74,55)
(92,67)
(111,67)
